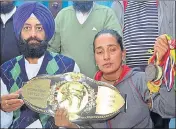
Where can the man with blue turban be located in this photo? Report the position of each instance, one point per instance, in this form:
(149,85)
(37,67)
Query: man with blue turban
(34,27)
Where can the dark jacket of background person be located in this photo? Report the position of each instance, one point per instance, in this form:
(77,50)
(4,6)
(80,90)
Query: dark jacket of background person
(9,44)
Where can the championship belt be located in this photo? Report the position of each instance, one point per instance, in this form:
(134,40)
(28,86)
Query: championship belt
(84,98)
(157,72)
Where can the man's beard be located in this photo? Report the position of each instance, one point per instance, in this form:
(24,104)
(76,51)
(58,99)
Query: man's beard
(6,7)
(83,6)
(34,49)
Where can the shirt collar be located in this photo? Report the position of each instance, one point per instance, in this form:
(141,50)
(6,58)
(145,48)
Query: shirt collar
(40,60)
(125,70)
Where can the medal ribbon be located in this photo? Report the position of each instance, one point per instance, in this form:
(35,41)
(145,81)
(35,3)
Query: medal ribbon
(167,63)
(169,73)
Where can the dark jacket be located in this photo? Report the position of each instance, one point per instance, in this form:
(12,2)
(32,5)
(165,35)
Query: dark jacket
(9,43)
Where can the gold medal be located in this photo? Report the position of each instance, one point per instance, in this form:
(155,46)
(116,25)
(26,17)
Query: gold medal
(159,73)
(153,88)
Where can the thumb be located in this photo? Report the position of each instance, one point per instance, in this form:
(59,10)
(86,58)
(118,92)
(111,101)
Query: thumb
(18,91)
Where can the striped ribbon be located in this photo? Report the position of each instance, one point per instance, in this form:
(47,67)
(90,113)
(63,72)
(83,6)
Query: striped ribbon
(167,64)
(169,73)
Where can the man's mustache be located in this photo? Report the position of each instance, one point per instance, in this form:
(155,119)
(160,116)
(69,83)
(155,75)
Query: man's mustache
(33,39)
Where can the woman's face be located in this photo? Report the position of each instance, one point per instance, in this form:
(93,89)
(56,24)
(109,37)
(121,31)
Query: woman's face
(108,54)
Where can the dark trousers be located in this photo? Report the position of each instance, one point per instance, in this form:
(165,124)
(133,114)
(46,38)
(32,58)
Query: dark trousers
(159,122)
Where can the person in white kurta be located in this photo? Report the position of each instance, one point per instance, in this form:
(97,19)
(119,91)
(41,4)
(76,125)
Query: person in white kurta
(31,70)
(34,26)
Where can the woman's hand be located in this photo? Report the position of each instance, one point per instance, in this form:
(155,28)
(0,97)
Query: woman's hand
(62,119)
(161,46)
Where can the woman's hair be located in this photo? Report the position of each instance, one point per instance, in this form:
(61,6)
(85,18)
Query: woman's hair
(113,33)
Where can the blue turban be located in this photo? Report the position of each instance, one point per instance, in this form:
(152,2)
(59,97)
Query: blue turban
(41,12)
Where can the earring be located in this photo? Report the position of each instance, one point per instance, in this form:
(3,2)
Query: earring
(123,61)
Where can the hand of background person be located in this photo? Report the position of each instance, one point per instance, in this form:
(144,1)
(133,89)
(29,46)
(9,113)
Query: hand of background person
(62,119)
(11,102)
(161,46)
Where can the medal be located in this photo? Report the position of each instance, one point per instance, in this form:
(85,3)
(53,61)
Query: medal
(154,76)
(153,72)
(157,71)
